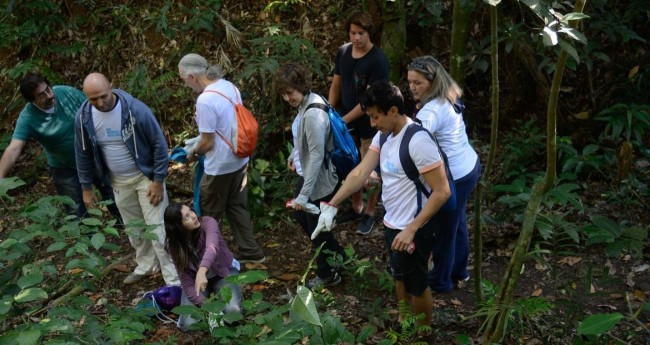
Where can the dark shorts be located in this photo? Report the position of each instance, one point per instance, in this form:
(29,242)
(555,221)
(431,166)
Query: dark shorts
(412,268)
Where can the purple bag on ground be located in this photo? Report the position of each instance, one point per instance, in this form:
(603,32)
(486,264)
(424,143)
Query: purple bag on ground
(166,297)
(163,299)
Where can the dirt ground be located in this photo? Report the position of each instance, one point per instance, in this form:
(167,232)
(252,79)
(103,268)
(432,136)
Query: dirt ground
(581,284)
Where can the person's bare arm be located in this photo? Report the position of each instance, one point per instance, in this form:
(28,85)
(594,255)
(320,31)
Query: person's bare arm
(354,114)
(205,144)
(10,156)
(335,91)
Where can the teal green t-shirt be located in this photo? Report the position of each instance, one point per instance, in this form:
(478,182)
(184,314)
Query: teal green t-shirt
(55,132)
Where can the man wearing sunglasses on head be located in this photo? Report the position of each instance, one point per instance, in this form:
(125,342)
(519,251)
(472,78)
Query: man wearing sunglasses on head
(48,117)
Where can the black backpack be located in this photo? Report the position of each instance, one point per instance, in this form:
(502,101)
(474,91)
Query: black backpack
(411,170)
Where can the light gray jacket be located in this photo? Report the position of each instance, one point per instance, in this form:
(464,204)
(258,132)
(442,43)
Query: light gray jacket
(314,136)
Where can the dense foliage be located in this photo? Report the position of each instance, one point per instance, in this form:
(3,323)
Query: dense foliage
(597,205)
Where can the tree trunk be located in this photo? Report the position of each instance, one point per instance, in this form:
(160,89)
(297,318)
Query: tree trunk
(494,136)
(500,312)
(393,38)
(459,33)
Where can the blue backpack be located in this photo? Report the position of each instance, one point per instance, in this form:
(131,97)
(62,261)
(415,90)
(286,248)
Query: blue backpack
(344,156)
(412,172)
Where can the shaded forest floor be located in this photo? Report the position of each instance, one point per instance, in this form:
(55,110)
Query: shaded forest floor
(580,284)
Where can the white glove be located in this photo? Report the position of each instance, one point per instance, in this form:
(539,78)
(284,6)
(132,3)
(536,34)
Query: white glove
(326,219)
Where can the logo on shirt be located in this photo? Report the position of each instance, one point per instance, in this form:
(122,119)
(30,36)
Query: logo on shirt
(127,131)
(389,166)
(112,133)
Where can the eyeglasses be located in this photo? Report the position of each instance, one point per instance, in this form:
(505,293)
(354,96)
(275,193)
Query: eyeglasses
(43,95)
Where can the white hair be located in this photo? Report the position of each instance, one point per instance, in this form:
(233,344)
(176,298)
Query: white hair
(197,65)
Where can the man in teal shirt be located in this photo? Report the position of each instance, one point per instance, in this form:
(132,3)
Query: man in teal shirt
(49,117)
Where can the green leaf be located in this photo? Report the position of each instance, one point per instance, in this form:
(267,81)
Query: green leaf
(365,334)
(98,240)
(95,212)
(7,243)
(30,279)
(57,325)
(247,277)
(111,231)
(30,337)
(9,183)
(574,16)
(56,246)
(606,224)
(549,37)
(574,34)
(304,307)
(566,46)
(91,221)
(599,323)
(31,294)
(5,304)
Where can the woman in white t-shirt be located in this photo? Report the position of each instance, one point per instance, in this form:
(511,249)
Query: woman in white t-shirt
(439,109)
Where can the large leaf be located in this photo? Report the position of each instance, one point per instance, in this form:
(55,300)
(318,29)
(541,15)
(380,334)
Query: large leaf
(98,240)
(574,16)
(7,243)
(599,323)
(7,184)
(31,294)
(92,221)
(549,37)
(304,307)
(30,279)
(574,34)
(5,304)
(566,46)
(606,224)
(56,246)
(29,337)
(247,277)
(57,325)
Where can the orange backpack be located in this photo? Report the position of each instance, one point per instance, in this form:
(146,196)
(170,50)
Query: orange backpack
(244,129)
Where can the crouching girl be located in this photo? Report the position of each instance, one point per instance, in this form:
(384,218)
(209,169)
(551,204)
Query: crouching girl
(201,257)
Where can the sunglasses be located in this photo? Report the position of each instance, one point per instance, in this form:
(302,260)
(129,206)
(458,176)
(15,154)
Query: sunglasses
(422,68)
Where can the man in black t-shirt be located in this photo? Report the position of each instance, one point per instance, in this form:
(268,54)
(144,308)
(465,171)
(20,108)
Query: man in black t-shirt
(358,64)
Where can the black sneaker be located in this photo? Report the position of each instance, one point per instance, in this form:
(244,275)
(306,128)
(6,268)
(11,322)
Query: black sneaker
(251,259)
(366,224)
(347,216)
(319,282)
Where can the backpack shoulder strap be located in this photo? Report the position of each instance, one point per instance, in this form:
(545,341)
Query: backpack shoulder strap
(320,106)
(222,95)
(235,106)
(405,159)
(408,165)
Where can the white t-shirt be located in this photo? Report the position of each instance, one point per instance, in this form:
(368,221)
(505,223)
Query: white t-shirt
(398,192)
(108,131)
(440,118)
(215,114)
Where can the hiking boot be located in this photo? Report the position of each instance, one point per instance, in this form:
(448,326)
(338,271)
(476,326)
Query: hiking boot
(366,224)
(319,282)
(347,216)
(251,259)
(133,278)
